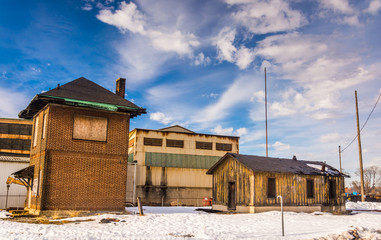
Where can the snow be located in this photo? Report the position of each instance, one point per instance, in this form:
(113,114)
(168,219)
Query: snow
(186,223)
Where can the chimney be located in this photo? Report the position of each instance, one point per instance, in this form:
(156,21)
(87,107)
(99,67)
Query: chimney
(294,158)
(120,87)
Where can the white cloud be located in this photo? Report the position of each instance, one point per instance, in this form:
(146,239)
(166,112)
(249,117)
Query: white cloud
(241,131)
(317,71)
(129,18)
(242,56)
(222,131)
(160,117)
(330,138)
(374,6)
(224,44)
(279,146)
(266,16)
(126,18)
(341,6)
(200,59)
(11,103)
(87,7)
(239,91)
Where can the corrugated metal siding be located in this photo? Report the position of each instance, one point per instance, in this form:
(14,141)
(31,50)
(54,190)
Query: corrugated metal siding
(179,160)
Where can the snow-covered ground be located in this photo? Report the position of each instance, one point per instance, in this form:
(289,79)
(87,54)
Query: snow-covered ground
(186,223)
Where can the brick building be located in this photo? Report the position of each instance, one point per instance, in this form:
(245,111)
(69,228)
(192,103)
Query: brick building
(79,149)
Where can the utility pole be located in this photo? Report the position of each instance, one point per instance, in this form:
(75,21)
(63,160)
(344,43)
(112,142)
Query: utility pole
(341,170)
(360,152)
(267,143)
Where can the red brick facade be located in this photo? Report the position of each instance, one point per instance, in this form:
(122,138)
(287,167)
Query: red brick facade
(72,174)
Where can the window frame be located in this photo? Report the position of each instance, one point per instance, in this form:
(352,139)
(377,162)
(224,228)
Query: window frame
(271,193)
(224,147)
(204,145)
(310,188)
(151,142)
(174,143)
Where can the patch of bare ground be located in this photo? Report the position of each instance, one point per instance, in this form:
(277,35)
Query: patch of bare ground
(358,233)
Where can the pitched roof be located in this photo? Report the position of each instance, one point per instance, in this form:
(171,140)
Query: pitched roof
(82,92)
(280,165)
(176,128)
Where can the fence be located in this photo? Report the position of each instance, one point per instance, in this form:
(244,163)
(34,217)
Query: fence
(14,201)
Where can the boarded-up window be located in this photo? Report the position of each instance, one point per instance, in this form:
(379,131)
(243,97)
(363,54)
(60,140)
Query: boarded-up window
(310,188)
(153,141)
(223,146)
(175,143)
(90,128)
(204,145)
(35,131)
(332,189)
(271,188)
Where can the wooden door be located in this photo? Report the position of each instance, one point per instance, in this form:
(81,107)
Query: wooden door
(231,195)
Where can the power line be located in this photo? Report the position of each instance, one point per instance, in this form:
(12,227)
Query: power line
(370,114)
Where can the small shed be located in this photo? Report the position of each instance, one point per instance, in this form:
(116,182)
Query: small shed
(248,183)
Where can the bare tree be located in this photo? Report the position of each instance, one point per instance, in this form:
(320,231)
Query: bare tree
(372,180)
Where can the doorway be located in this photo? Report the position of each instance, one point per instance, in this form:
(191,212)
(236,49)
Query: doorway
(231,195)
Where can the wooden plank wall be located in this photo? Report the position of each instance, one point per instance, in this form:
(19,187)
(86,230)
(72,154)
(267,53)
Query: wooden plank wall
(232,171)
(292,187)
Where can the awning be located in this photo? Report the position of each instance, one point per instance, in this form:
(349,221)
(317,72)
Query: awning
(25,175)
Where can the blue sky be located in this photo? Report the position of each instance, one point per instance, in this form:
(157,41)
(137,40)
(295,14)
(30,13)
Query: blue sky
(200,64)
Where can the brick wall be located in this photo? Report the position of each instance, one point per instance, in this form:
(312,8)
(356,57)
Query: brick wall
(80,174)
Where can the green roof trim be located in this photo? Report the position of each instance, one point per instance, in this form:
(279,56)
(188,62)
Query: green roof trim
(105,106)
(179,160)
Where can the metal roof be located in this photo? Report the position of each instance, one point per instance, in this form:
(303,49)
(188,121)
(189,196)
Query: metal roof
(280,165)
(85,93)
(179,160)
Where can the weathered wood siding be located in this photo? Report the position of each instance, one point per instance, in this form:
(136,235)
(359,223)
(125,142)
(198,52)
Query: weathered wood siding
(293,189)
(251,188)
(232,171)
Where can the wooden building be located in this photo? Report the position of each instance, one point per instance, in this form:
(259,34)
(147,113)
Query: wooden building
(246,183)
(171,164)
(15,137)
(79,149)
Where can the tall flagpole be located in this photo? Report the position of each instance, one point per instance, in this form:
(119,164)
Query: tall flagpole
(267,143)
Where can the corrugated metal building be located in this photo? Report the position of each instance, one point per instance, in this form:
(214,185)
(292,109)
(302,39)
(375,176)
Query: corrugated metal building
(171,164)
(15,137)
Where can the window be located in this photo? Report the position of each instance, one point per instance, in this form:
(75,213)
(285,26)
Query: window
(90,128)
(271,188)
(131,143)
(12,128)
(332,189)
(310,188)
(35,131)
(175,143)
(204,145)
(15,144)
(223,146)
(153,141)
(45,118)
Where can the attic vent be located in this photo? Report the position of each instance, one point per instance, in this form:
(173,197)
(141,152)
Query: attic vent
(294,158)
